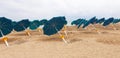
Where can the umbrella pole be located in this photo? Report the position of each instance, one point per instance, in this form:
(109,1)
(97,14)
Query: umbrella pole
(27,32)
(61,36)
(65,31)
(39,30)
(5,41)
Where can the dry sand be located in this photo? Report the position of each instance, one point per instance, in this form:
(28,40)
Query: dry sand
(82,44)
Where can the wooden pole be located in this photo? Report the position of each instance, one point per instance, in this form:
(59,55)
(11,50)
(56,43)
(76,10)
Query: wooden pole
(61,36)
(5,41)
(65,27)
(28,32)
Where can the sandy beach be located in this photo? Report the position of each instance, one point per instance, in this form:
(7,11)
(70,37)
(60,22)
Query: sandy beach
(83,43)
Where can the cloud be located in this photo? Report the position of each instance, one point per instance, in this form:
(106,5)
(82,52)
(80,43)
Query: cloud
(72,9)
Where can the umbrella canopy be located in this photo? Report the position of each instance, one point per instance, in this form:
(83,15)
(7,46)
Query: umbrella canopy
(44,21)
(21,25)
(14,23)
(82,22)
(64,20)
(73,22)
(101,20)
(54,25)
(34,24)
(91,21)
(107,22)
(116,21)
(86,24)
(76,22)
(5,26)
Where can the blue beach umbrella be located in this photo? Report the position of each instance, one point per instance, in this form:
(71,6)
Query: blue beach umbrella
(101,20)
(54,25)
(82,22)
(108,21)
(93,20)
(5,28)
(22,25)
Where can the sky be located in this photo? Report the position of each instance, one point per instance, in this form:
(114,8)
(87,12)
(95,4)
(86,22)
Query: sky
(71,9)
